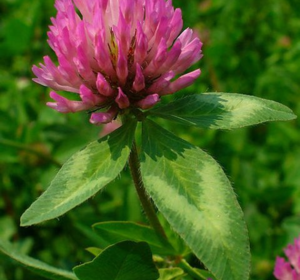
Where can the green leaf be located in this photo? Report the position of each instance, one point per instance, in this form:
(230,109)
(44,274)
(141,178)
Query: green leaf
(191,190)
(14,45)
(173,238)
(114,232)
(8,228)
(194,272)
(89,234)
(223,111)
(2,274)
(35,266)
(123,261)
(205,273)
(170,273)
(94,251)
(83,175)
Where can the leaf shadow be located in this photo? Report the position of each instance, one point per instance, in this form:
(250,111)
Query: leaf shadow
(159,143)
(119,140)
(204,110)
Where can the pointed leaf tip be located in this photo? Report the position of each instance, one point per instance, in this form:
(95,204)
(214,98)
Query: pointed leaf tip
(122,261)
(83,175)
(223,111)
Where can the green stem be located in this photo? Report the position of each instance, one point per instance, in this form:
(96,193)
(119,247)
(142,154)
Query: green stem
(134,164)
(191,271)
(23,147)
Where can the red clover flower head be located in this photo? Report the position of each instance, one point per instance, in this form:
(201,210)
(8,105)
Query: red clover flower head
(116,55)
(289,270)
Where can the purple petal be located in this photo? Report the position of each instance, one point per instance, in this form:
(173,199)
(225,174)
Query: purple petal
(292,251)
(158,60)
(161,32)
(161,83)
(190,54)
(65,105)
(103,4)
(51,77)
(186,36)
(123,33)
(68,71)
(102,54)
(283,270)
(128,8)
(121,67)
(110,127)
(103,86)
(148,102)
(172,57)
(139,81)
(83,7)
(182,82)
(122,100)
(83,66)
(141,45)
(176,25)
(88,97)
(104,117)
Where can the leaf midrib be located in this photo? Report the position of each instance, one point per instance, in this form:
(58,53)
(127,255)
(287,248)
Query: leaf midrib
(131,250)
(232,270)
(166,163)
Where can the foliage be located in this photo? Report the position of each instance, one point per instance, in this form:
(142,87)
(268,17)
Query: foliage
(250,46)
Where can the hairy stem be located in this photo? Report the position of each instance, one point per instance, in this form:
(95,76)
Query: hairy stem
(134,164)
(191,271)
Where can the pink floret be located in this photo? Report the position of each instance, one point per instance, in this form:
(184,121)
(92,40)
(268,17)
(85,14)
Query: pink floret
(289,270)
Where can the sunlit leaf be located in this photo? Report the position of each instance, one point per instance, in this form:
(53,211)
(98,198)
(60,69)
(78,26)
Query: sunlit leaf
(83,175)
(191,190)
(223,110)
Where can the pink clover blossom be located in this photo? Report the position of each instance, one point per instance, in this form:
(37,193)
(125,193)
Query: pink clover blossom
(117,54)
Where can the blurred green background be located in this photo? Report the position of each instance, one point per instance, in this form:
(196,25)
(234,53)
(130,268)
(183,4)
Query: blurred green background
(250,47)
